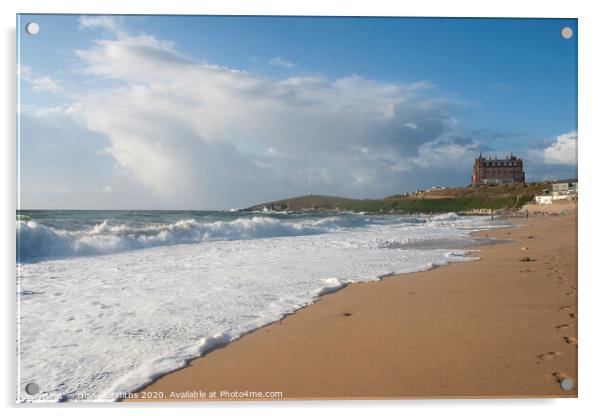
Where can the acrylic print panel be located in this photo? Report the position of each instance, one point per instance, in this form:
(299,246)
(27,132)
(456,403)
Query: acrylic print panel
(227,208)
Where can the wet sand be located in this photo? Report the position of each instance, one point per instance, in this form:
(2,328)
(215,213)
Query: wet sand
(503,326)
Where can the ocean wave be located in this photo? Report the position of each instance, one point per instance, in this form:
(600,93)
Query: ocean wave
(448,216)
(37,241)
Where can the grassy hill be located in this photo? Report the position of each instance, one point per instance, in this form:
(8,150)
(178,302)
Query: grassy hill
(499,197)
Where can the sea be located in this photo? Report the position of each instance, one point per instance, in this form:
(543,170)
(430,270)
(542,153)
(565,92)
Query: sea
(110,300)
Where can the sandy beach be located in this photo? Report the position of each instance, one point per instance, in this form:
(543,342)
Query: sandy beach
(503,326)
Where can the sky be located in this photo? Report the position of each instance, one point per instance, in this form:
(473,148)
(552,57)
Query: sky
(209,112)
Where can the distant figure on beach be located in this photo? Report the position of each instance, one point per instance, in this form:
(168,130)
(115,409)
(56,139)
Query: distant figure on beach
(527,212)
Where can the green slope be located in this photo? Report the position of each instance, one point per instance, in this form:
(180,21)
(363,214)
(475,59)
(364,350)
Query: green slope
(440,200)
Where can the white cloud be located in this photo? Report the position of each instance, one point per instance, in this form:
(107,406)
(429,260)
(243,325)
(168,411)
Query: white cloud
(442,152)
(50,112)
(563,150)
(196,134)
(39,82)
(109,23)
(281,62)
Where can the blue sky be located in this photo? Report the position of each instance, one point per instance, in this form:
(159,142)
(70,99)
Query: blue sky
(220,112)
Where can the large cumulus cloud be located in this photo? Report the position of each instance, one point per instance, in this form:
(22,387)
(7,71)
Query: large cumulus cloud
(200,135)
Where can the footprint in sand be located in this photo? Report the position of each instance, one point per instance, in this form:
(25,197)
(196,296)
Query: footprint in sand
(565,307)
(570,340)
(570,293)
(564,327)
(572,315)
(548,355)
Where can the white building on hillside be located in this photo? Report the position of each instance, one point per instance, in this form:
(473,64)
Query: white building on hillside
(564,191)
(560,191)
(543,199)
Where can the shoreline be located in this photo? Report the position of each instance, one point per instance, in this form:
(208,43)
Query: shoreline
(326,291)
(233,367)
(467,251)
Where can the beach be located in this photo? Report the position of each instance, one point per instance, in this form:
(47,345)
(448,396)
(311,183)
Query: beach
(503,326)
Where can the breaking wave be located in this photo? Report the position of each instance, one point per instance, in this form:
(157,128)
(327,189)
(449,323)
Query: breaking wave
(36,241)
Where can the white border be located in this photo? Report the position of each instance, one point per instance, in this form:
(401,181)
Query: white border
(590,33)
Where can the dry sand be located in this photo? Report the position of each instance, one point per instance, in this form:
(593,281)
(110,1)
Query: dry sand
(498,327)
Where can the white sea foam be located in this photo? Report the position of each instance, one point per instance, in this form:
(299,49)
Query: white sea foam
(95,327)
(36,241)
